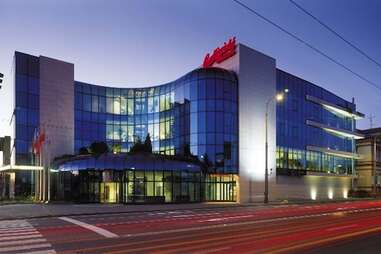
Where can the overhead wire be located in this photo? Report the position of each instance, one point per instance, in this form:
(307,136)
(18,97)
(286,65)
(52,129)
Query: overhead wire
(251,10)
(362,52)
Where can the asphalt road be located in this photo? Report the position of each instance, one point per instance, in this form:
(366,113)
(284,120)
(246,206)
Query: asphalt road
(353,227)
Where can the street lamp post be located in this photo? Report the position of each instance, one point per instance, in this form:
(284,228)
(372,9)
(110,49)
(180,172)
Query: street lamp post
(278,98)
(1,78)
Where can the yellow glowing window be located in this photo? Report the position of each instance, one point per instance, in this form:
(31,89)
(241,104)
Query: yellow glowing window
(162,130)
(117,105)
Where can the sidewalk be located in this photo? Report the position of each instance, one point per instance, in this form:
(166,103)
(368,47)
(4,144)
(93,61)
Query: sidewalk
(28,211)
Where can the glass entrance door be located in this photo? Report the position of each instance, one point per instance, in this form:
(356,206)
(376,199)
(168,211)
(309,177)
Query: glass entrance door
(109,192)
(139,189)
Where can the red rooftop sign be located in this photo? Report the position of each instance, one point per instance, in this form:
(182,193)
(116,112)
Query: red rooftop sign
(220,54)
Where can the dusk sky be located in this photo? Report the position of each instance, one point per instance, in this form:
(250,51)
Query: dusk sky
(139,43)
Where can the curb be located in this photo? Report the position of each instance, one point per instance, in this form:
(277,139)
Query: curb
(121,212)
(254,204)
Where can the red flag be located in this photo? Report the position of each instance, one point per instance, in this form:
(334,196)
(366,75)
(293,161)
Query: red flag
(34,142)
(38,142)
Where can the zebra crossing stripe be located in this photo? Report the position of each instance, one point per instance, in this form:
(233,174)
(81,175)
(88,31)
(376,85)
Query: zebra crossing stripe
(40,240)
(24,247)
(17,230)
(19,233)
(42,252)
(7,238)
(20,236)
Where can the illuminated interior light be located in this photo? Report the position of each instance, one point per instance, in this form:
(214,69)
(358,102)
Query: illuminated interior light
(338,110)
(20,167)
(334,152)
(345,193)
(342,112)
(313,193)
(330,194)
(333,130)
(344,134)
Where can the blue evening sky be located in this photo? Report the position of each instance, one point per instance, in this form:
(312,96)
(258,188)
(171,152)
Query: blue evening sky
(136,43)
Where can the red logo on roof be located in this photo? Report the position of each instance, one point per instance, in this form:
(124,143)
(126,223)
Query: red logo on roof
(220,54)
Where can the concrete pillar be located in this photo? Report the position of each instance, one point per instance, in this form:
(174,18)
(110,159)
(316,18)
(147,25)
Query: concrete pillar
(12,179)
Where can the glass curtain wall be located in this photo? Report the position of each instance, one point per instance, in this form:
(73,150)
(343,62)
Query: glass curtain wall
(135,186)
(26,118)
(294,134)
(288,159)
(196,114)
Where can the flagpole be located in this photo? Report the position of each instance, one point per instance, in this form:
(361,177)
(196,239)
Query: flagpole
(43,168)
(41,175)
(40,164)
(48,169)
(32,172)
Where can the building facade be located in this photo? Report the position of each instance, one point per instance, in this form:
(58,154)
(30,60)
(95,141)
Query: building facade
(197,113)
(310,135)
(369,164)
(215,115)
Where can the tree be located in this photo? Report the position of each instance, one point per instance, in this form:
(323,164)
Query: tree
(98,148)
(140,147)
(148,144)
(83,150)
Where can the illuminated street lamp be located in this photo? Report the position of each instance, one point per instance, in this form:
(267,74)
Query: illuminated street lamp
(279,97)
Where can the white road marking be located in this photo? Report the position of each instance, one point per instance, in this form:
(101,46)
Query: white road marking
(41,252)
(20,236)
(19,233)
(3,231)
(7,238)
(183,216)
(6,227)
(228,218)
(90,227)
(26,247)
(157,213)
(251,222)
(18,242)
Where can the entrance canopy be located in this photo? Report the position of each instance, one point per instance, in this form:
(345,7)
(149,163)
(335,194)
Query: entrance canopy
(12,168)
(126,161)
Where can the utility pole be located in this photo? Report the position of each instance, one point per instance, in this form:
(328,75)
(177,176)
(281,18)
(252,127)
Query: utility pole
(371,118)
(1,78)
(279,97)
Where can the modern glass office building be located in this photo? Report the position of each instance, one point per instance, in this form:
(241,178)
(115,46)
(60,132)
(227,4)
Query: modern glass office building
(206,127)
(315,129)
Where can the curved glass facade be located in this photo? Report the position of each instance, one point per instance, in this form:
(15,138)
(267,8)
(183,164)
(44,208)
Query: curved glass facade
(197,114)
(147,178)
